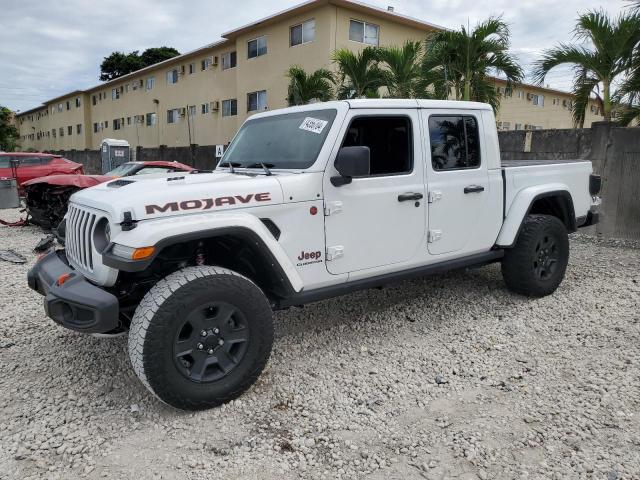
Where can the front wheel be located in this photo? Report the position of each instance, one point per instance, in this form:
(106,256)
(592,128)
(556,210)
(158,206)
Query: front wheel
(536,264)
(201,337)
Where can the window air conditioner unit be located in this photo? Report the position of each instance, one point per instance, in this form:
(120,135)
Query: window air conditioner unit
(529,96)
(215,105)
(141,83)
(183,111)
(214,61)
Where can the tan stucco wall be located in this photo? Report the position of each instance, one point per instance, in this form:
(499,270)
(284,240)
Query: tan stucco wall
(266,72)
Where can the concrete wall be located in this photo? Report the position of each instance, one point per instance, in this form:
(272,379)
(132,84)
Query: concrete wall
(615,154)
(198,156)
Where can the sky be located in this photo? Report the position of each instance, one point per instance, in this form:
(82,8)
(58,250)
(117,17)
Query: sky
(50,48)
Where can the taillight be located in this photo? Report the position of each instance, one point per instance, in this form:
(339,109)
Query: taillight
(595,184)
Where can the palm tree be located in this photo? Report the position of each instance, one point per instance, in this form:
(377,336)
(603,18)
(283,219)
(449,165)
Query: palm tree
(402,75)
(305,88)
(598,67)
(463,61)
(358,73)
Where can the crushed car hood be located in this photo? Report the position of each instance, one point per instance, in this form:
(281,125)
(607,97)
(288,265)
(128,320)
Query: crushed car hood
(178,194)
(81,181)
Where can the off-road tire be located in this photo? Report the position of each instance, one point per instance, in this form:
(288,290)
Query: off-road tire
(156,325)
(521,265)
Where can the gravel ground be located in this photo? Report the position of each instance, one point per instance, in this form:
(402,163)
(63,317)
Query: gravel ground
(446,377)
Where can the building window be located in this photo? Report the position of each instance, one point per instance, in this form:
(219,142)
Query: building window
(229,60)
(151,82)
(205,63)
(94,100)
(302,33)
(152,119)
(95,127)
(455,142)
(128,120)
(520,94)
(115,93)
(79,128)
(204,108)
(60,107)
(257,101)
(77,102)
(117,124)
(172,115)
(53,132)
(69,130)
(537,100)
(229,107)
(106,124)
(257,47)
(68,105)
(363,32)
(192,68)
(191,110)
(61,131)
(172,77)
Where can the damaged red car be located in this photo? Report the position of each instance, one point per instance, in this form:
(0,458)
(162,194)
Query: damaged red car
(34,165)
(47,197)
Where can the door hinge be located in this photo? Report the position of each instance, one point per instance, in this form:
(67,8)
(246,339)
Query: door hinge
(434,236)
(332,207)
(334,252)
(434,196)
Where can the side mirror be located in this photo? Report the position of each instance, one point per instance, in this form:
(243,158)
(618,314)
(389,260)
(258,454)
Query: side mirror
(351,162)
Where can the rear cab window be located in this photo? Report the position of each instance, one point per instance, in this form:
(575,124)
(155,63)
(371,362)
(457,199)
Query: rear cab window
(455,142)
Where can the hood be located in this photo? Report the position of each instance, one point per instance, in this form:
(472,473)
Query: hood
(178,194)
(81,181)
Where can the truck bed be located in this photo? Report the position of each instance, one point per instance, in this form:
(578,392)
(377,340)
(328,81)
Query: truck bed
(532,163)
(571,176)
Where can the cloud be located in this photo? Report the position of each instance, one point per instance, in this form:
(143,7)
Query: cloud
(47,49)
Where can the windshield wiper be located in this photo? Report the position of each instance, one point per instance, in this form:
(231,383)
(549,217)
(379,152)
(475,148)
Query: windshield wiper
(264,166)
(231,165)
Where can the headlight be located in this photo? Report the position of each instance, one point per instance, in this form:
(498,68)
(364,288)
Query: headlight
(102,235)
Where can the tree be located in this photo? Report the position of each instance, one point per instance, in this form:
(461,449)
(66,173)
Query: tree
(463,61)
(119,63)
(597,67)
(151,56)
(402,74)
(358,73)
(9,134)
(305,88)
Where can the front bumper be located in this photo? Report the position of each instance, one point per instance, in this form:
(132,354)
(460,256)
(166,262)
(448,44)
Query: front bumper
(77,304)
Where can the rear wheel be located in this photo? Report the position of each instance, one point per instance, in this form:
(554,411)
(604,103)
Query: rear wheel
(536,264)
(200,337)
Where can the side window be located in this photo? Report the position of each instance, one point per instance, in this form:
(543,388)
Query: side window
(455,142)
(388,139)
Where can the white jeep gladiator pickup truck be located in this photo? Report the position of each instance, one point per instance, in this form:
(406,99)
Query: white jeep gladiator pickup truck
(307,203)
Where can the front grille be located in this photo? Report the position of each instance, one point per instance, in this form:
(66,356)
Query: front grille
(79,236)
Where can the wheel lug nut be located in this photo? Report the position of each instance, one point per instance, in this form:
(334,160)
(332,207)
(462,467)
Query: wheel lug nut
(200,346)
(210,351)
(216,330)
(221,342)
(203,333)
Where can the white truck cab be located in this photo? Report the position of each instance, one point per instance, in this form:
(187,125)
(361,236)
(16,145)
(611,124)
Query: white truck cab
(307,203)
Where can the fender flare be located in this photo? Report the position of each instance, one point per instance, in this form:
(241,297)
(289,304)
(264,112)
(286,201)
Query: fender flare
(521,207)
(162,233)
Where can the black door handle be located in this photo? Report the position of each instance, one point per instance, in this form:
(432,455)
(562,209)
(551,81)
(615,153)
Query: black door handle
(473,189)
(405,197)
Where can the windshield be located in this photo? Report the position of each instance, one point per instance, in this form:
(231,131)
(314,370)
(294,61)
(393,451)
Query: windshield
(291,140)
(123,170)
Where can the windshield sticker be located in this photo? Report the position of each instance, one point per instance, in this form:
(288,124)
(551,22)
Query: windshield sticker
(314,125)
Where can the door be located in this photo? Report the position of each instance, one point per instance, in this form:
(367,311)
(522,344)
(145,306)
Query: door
(378,219)
(458,182)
